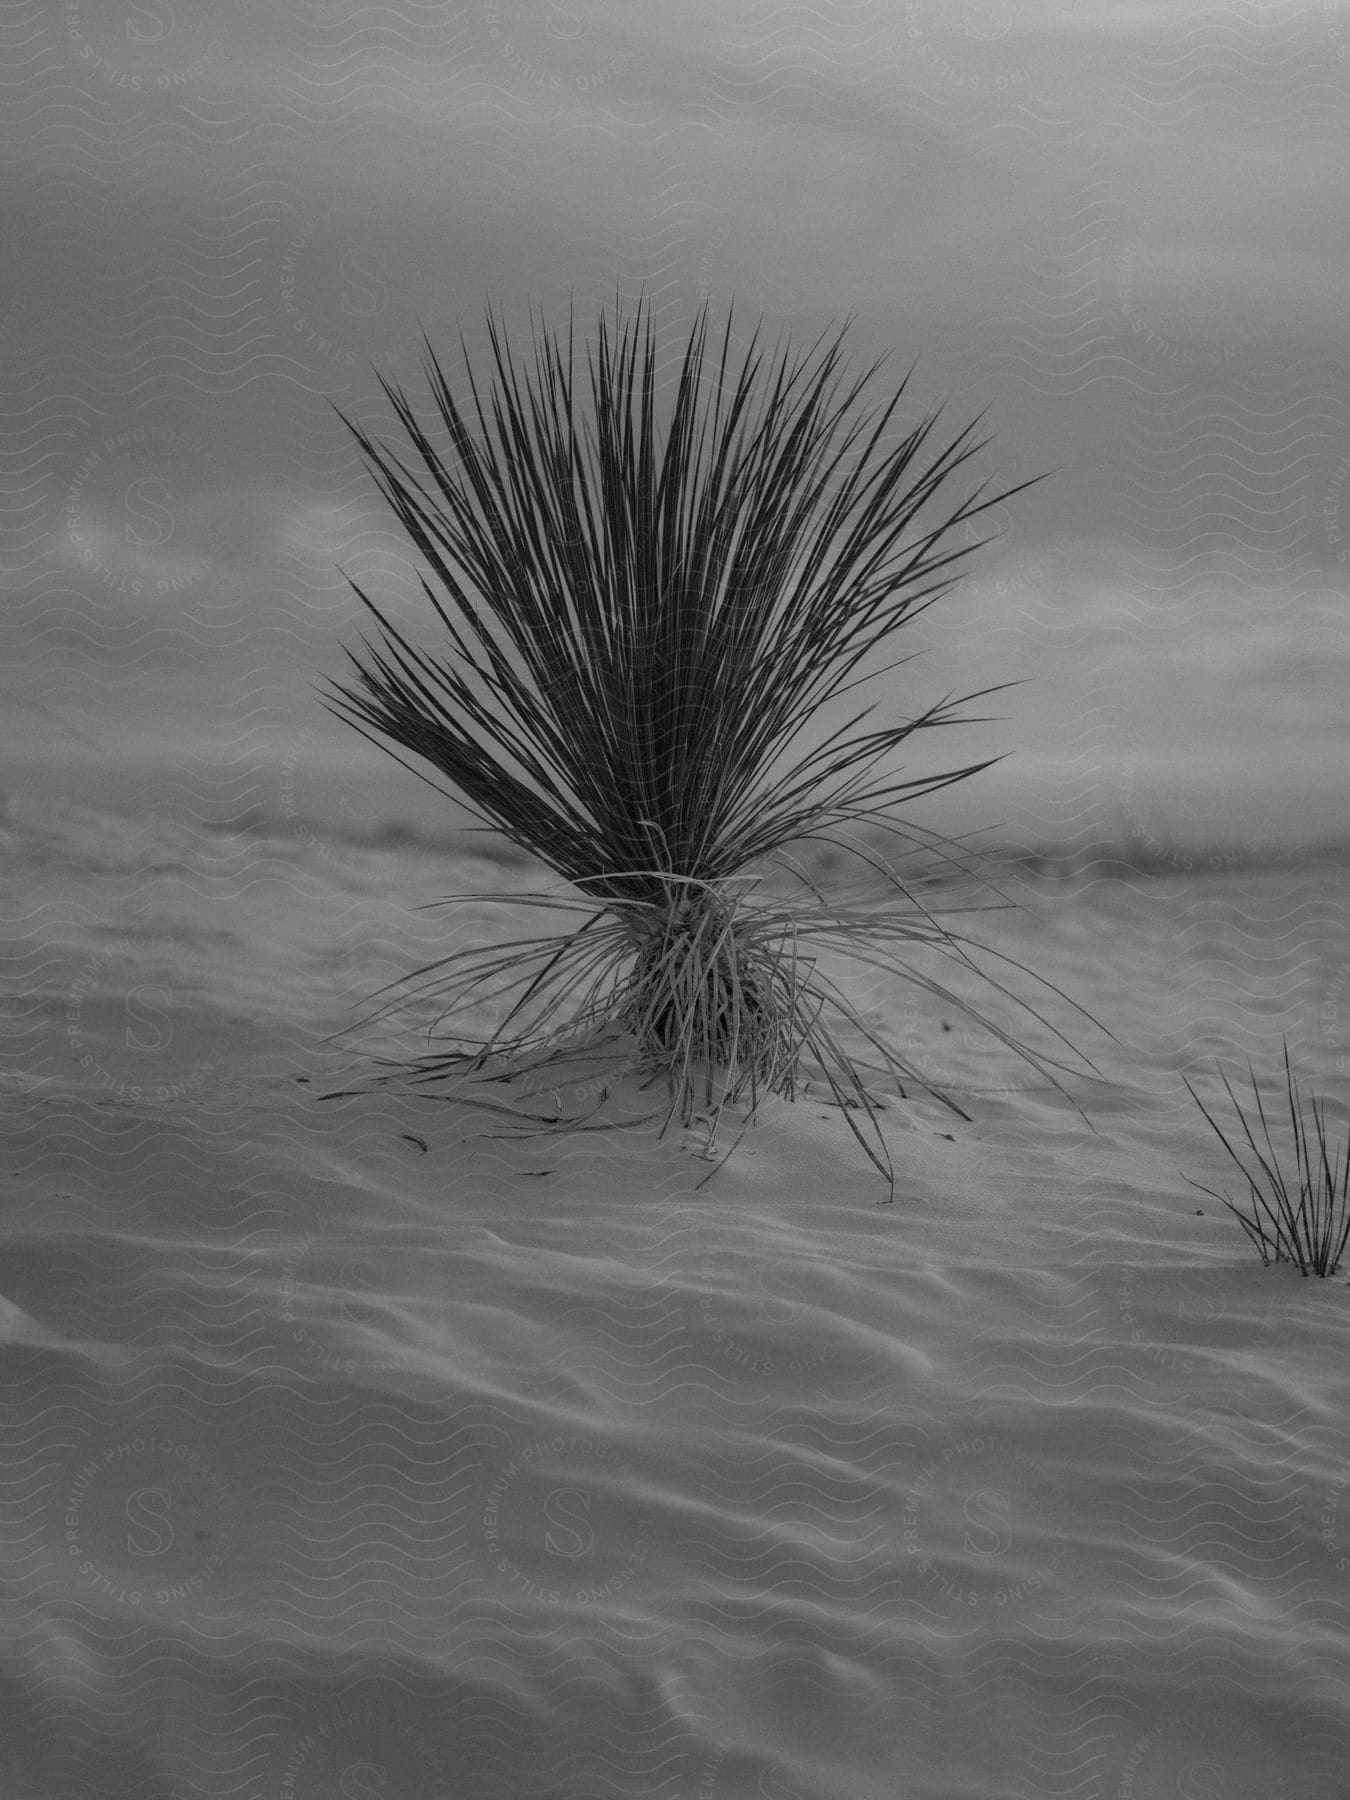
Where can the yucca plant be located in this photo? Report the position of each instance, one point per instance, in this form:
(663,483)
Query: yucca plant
(1302,1215)
(642,610)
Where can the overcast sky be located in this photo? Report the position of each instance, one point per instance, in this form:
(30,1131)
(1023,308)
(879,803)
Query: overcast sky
(1122,227)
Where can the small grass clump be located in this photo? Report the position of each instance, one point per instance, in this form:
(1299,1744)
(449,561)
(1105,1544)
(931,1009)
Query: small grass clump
(1300,1216)
(646,599)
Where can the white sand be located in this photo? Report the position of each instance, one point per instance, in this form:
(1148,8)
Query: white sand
(352,1451)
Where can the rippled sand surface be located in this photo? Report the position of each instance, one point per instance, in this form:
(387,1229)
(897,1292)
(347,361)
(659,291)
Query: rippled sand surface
(352,1450)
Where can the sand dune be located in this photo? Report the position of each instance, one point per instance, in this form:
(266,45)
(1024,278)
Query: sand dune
(353,1449)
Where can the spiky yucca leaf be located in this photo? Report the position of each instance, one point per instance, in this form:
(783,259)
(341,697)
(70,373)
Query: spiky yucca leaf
(643,611)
